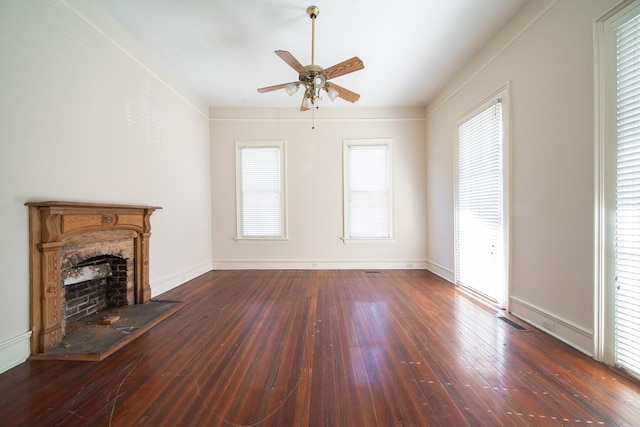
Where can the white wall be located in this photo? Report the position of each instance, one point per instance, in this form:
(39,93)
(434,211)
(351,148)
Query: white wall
(86,114)
(315,196)
(546,54)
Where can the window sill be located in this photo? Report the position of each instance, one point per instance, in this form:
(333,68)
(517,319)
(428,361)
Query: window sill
(260,239)
(367,240)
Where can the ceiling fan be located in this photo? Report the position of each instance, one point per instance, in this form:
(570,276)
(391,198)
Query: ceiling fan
(313,78)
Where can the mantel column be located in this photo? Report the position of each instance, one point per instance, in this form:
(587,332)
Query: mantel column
(50,333)
(142,269)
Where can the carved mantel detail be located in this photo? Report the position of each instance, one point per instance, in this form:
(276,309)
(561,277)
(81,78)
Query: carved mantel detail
(53,225)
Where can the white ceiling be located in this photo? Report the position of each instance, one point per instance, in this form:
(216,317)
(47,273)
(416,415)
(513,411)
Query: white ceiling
(224,49)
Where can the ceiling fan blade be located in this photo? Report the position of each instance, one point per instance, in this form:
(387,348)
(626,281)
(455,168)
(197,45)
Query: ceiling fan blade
(343,93)
(289,59)
(275,87)
(345,67)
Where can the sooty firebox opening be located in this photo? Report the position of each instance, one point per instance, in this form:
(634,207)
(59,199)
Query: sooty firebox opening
(95,284)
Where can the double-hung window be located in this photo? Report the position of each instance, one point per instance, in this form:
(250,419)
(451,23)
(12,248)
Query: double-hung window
(617,335)
(368,192)
(260,190)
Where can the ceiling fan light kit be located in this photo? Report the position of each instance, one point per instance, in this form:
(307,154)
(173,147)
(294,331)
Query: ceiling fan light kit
(292,88)
(315,79)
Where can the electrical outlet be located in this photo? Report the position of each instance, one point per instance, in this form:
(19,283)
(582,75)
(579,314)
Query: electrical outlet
(549,325)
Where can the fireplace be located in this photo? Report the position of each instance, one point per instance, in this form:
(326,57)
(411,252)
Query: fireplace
(84,256)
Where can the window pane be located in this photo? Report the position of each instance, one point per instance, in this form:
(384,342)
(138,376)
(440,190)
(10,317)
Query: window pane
(261,191)
(369,191)
(369,214)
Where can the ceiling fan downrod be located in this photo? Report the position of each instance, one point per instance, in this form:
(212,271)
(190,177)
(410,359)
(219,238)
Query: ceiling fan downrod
(313,13)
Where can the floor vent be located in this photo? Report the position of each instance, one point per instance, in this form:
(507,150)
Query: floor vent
(372,272)
(513,324)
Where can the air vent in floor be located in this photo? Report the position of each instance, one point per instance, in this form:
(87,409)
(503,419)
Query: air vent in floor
(513,324)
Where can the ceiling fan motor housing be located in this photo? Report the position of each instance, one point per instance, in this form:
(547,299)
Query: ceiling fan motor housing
(311,72)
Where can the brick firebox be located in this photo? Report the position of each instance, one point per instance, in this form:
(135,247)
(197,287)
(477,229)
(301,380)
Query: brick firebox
(56,227)
(111,283)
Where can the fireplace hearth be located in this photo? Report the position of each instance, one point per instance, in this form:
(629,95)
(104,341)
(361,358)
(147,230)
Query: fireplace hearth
(84,256)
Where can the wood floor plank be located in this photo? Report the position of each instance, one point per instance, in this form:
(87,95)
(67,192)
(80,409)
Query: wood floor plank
(325,348)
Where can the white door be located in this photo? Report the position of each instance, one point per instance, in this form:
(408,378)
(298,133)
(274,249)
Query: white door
(618,270)
(480,201)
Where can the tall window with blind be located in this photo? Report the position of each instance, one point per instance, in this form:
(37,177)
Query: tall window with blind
(481,232)
(368,193)
(260,190)
(627,207)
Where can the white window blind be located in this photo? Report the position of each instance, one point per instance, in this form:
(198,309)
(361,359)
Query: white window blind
(627,224)
(261,191)
(368,178)
(479,203)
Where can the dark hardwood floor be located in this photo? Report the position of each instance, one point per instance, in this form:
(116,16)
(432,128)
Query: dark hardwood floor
(325,348)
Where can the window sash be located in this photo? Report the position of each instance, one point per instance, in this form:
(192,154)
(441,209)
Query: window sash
(260,191)
(368,192)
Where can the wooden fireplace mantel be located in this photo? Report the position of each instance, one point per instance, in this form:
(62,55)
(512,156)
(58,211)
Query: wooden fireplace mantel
(55,224)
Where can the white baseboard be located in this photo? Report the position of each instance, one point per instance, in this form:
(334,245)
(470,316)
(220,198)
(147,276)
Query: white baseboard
(568,332)
(165,284)
(319,265)
(437,269)
(14,351)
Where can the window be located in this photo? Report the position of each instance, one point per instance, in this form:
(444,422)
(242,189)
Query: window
(260,188)
(368,193)
(618,192)
(481,220)
(627,236)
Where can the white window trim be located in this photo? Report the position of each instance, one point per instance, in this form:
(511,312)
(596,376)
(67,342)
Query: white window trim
(283,171)
(346,143)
